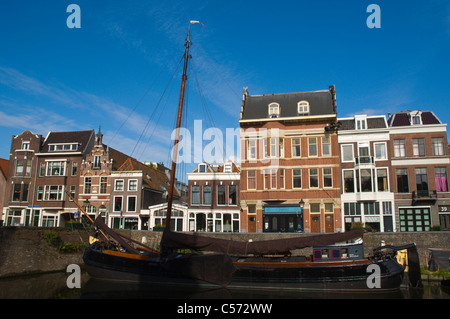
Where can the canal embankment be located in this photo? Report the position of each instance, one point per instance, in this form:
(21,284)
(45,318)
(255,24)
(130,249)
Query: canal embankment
(31,250)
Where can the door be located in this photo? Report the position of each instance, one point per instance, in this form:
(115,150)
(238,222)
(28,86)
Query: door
(315,223)
(329,223)
(251,227)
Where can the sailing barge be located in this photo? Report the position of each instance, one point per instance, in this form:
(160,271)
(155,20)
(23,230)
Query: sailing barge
(262,264)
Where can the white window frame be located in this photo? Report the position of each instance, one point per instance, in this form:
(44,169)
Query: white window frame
(129,184)
(274,109)
(115,185)
(303,108)
(128,204)
(353,153)
(375,151)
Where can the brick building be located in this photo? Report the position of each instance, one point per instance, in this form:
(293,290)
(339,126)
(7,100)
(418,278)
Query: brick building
(40,171)
(290,158)
(420,165)
(213,204)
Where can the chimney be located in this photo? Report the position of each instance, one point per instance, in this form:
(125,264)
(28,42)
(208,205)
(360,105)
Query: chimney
(333,97)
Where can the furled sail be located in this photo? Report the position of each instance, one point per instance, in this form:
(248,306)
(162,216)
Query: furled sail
(174,240)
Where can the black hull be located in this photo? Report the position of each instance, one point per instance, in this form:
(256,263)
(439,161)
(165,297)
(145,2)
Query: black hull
(351,277)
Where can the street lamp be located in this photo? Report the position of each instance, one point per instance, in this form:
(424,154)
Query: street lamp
(301,204)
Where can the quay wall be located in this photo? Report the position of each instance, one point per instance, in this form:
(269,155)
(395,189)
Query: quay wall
(24,250)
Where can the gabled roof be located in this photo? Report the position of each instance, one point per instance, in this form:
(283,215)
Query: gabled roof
(404,118)
(320,103)
(84,139)
(4,165)
(152,177)
(234,168)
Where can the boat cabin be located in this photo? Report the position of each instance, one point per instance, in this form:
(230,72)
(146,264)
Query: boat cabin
(338,252)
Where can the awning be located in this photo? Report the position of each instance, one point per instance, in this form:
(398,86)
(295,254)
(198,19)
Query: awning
(282,209)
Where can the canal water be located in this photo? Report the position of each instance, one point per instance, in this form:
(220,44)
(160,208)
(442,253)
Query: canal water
(54,286)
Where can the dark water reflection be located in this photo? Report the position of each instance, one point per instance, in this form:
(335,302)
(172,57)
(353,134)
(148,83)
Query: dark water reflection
(53,286)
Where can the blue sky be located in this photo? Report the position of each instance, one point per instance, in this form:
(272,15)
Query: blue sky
(114,69)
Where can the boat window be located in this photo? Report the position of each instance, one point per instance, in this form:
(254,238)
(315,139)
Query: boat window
(335,254)
(317,254)
(324,253)
(344,253)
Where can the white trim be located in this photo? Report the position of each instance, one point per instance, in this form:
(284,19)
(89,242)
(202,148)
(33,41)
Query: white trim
(423,161)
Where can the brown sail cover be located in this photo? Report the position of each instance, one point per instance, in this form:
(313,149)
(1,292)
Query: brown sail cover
(173,240)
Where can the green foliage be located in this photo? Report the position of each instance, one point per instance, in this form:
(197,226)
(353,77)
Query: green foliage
(53,239)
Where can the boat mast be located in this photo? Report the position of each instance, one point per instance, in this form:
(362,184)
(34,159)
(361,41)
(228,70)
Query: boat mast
(177,133)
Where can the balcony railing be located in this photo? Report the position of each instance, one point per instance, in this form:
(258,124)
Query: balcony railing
(364,160)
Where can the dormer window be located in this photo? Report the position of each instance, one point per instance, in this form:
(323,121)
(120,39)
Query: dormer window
(361,122)
(416,118)
(274,110)
(228,168)
(202,168)
(303,108)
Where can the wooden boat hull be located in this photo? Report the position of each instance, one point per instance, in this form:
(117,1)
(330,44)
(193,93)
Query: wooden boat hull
(343,276)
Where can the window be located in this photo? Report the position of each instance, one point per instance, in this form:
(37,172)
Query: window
(251,151)
(56,168)
(440,174)
(266,179)
(364,156)
(281,147)
(87,185)
(131,205)
(273,177)
(118,185)
(347,153)
(266,152)
(26,188)
(97,162)
(251,179)
(312,146)
(296,148)
(380,151)
(221,195)
(273,147)
(303,108)
(418,147)
(422,182)
(314,208)
(53,192)
(416,119)
(117,203)
(399,148)
(23,167)
(16,193)
(313,177)
(349,181)
(25,145)
(195,195)
(62,147)
(228,168)
(402,180)
(74,168)
(103,184)
(232,195)
(42,169)
(207,195)
(297,178)
(366,180)
(72,191)
(382,180)
(274,110)
(329,208)
(40,194)
(438,146)
(415,219)
(361,123)
(281,178)
(202,168)
(328,177)
(132,185)
(326,146)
